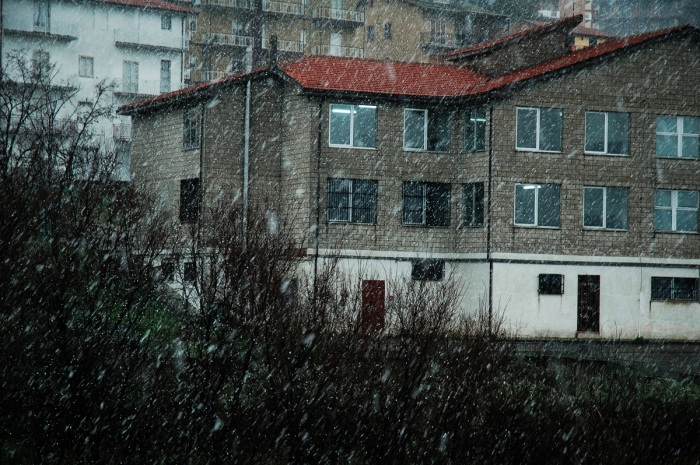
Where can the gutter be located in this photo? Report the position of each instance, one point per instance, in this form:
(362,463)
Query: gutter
(318,196)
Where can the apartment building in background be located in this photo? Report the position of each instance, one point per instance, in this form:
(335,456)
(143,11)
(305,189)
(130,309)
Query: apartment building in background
(225,32)
(136,44)
(561,189)
(556,9)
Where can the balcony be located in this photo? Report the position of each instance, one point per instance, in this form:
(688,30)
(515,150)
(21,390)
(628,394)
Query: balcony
(55,30)
(121,132)
(137,88)
(289,46)
(234,4)
(348,17)
(226,40)
(338,51)
(440,40)
(161,39)
(283,8)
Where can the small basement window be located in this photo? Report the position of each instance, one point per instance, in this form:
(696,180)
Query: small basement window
(551,284)
(428,270)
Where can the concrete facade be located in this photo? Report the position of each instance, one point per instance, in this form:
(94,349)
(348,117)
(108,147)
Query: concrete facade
(498,263)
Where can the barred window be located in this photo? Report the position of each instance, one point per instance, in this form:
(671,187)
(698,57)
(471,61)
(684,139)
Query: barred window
(552,284)
(352,200)
(428,270)
(684,289)
(426,204)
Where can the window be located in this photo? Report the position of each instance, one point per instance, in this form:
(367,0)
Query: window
(676,211)
(475,130)
(353,126)
(193,23)
(551,284)
(41,61)
(387,31)
(167,270)
(605,207)
(164,76)
(473,204)
(86,67)
(426,204)
(592,41)
(166,22)
(189,272)
(607,133)
(428,270)
(131,77)
(352,200)
(370,33)
(539,129)
(426,130)
(674,289)
(190,138)
(677,136)
(41,15)
(538,205)
(438,31)
(189,200)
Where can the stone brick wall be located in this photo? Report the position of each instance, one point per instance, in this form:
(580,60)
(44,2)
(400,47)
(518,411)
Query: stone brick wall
(660,79)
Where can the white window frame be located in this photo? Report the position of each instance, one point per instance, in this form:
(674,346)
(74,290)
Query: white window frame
(425,129)
(352,125)
(86,59)
(538,130)
(605,134)
(537,187)
(605,208)
(674,208)
(680,134)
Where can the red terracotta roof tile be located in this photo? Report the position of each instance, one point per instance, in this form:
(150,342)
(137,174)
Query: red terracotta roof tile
(322,73)
(571,59)
(484,46)
(151,4)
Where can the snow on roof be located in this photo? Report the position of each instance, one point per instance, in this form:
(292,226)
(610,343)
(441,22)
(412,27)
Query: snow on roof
(502,41)
(150,4)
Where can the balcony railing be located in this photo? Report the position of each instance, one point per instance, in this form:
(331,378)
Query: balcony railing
(209,75)
(137,87)
(243,4)
(337,50)
(440,39)
(338,14)
(156,38)
(286,46)
(25,24)
(285,8)
(214,38)
(121,132)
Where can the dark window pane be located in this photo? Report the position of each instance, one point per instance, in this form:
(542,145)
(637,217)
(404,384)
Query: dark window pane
(340,124)
(439,132)
(525,204)
(595,132)
(550,129)
(437,204)
(593,207)
(667,124)
(666,146)
(338,200)
(167,271)
(684,289)
(413,203)
(526,129)
(428,270)
(551,284)
(365,126)
(548,205)
(189,200)
(618,133)
(364,201)
(189,272)
(661,288)
(616,208)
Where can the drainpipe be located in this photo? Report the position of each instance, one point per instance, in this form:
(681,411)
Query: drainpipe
(489,257)
(318,195)
(246,148)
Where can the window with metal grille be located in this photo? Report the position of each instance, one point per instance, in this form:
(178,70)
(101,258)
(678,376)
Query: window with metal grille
(426,204)
(190,139)
(189,200)
(683,289)
(428,270)
(352,200)
(473,204)
(551,284)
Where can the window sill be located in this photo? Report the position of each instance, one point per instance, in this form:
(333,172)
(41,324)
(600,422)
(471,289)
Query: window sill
(469,226)
(424,150)
(518,149)
(675,301)
(678,158)
(530,226)
(604,154)
(187,149)
(593,228)
(350,222)
(424,226)
(350,147)
(656,231)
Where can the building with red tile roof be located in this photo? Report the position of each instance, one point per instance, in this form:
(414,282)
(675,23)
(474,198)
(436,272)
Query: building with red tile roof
(562,191)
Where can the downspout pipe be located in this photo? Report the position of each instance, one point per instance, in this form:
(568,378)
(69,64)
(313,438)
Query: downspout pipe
(489,257)
(318,196)
(246,159)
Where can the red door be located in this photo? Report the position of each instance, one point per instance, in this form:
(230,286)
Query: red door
(372,318)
